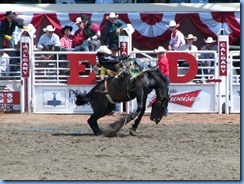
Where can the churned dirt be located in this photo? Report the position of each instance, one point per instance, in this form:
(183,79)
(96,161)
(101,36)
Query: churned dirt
(62,147)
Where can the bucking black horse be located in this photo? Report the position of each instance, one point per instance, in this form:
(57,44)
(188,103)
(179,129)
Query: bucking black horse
(123,88)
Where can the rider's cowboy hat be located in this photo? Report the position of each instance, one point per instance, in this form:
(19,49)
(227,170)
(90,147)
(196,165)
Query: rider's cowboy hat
(210,40)
(191,37)
(112,15)
(20,17)
(66,27)
(160,50)
(10,14)
(78,20)
(49,28)
(104,49)
(172,23)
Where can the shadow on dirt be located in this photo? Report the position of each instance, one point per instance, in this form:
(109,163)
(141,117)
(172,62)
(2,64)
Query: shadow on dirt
(72,134)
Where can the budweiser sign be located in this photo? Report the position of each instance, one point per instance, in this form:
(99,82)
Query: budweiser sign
(184,99)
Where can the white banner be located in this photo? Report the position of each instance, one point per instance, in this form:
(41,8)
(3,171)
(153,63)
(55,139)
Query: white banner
(59,99)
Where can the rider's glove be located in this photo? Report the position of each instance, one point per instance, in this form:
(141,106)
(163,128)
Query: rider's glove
(25,28)
(8,37)
(118,31)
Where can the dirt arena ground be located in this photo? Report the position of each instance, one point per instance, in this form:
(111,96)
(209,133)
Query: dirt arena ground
(62,147)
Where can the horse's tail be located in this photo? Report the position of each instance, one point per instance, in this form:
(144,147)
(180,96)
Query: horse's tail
(81,98)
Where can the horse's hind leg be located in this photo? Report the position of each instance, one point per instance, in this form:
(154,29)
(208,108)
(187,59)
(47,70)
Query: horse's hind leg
(92,121)
(98,113)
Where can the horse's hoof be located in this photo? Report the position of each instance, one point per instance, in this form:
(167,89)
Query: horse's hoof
(133,132)
(98,133)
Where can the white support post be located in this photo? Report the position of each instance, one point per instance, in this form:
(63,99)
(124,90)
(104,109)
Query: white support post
(125,45)
(26,53)
(223,50)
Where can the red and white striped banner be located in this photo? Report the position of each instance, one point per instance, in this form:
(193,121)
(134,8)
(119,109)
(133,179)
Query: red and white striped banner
(150,28)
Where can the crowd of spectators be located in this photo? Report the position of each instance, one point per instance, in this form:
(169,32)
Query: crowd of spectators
(88,37)
(177,43)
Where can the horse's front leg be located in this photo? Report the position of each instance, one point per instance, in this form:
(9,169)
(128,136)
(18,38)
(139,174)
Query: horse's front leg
(138,119)
(133,115)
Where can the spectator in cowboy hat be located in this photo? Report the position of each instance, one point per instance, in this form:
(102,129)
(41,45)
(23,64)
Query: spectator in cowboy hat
(210,45)
(7,27)
(49,40)
(92,34)
(66,42)
(163,65)
(15,62)
(18,31)
(176,37)
(112,30)
(189,45)
(79,36)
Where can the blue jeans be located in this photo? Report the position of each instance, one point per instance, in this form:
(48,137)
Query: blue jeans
(117,107)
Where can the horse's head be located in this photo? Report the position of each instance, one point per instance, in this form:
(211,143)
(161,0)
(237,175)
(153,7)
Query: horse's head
(81,99)
(161,89)
(157,111)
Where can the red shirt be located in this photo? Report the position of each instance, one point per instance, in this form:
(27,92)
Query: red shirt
(163,64)
(79,37)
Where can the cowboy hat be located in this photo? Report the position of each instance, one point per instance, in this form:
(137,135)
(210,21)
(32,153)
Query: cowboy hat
(21,17)
(66,27)
(78,20)
(104,49)
(112,15)
(160,49)
(49,28)
(210,40)
(9,14)
(172,23)
(114,47)
(191,37)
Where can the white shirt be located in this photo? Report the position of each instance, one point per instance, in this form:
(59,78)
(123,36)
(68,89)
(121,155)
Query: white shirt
(46,40)
(176,40)
(191,49)
(4,64)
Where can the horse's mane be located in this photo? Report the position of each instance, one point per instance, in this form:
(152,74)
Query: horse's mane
(155,72)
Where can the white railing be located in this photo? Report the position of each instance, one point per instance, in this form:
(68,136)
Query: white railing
(55,71)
